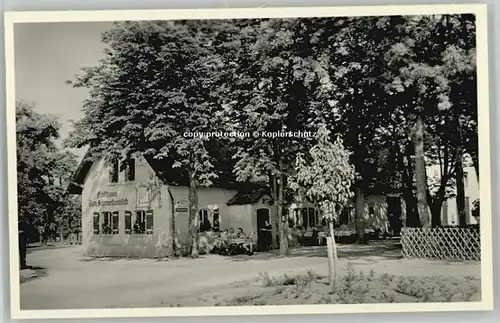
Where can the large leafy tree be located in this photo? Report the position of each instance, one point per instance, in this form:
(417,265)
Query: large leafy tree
(459,61)
(357,103)
(67,212)
(43,175)
(434,68)
(404,91)
(325,176)
(157,82)
(387,83)
(440,160)
(276,74)
(35,135)
(394,81)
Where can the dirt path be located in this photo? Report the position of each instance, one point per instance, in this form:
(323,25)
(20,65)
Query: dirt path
(72,282)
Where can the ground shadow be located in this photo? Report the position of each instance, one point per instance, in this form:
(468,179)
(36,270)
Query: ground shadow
(372,251)
(121,258)
(34,248)
(390,250)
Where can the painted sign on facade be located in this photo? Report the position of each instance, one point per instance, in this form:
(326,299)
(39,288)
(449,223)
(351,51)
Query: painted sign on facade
(106,198)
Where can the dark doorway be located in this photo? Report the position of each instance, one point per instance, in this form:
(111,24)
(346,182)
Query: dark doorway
(262,217)
(264,235)
(394,214)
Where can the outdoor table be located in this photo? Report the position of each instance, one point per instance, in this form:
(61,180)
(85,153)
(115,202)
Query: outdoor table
(239,242)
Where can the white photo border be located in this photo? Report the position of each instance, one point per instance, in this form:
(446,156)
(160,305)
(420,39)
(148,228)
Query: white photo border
(479,10)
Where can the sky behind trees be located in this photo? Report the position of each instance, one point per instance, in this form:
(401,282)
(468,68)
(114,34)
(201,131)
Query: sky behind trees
(49,54)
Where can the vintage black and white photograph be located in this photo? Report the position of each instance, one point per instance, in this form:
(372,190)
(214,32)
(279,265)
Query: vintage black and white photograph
(207,161)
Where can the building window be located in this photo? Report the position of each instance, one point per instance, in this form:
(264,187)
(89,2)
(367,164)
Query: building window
(106,223)
(216,220)
(303,218)
(143,222)
(113,171)
(371,211)
(149,222)
(115,222)
(205,224)
(140,222)
(291,218)
(130,170)
(110,222)
(310,217)
(296,217)
(128,222)
(345,216)
(96,223)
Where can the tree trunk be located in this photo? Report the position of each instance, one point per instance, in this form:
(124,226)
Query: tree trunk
(411,219)
(23,245)
(42,239)
(404,211)
(46,232)
(459,173)
(282,218)
(420,172)
(436,203)
(436,207)
(459,167)
(360,214)
(171,229)
(359,163)
(275,223)
(193,216)
(475,161)
(332,256)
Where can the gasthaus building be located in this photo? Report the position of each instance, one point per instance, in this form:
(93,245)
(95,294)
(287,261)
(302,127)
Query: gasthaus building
(126,209)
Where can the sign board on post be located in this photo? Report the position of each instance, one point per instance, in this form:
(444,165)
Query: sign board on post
(181,206)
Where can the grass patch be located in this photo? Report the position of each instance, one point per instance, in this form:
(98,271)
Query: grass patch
(435,289)
(355,287)
(287,280)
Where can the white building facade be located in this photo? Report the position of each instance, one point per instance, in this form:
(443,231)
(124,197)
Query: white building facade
(449,213)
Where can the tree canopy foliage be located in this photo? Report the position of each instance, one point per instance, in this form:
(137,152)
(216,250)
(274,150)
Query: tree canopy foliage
(399,90)
(43,173)
(325,176)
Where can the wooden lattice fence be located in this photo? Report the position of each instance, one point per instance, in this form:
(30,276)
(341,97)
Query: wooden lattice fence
(454,244)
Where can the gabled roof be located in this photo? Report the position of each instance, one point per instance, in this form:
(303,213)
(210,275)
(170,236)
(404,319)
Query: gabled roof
(166,174)
(75,186)
(248,196)
(248,193)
